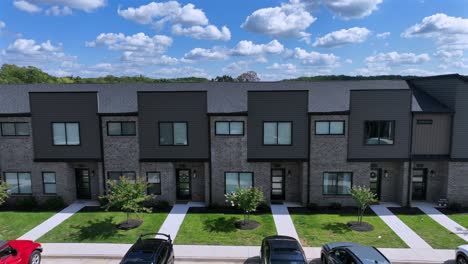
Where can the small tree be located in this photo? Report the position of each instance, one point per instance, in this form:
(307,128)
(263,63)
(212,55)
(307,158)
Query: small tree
(249,76)
(246,199)
(363,197)
(4,192)
(127,196)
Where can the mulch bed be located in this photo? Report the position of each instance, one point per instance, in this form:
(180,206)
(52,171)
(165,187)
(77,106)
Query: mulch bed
(130,224)
(225,210)
(327,210)
(360,227)
(247,225)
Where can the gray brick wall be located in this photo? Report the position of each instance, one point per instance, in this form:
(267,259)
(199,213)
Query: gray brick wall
(457,190)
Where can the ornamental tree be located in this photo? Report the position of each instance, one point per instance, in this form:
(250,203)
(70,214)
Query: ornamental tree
(363,197)
(246,199)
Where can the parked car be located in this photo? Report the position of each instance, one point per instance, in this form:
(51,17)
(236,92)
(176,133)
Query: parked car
(20,252)
(281,249)
(461,254)
(150,250)
(351,253)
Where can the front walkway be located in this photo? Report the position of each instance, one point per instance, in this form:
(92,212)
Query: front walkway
(55,220)
(442,219)
(176,217)
(401,229)
(283,221)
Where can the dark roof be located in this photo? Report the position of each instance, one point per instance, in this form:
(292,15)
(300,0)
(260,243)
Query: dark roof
(422,102)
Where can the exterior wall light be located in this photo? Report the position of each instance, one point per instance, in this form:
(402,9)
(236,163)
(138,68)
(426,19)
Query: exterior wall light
(432,173)
(289,173)
(385,174)
(194,174)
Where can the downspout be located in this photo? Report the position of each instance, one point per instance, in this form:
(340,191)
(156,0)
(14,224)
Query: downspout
(102,154)
(410,160)
(308,160)
(209,160)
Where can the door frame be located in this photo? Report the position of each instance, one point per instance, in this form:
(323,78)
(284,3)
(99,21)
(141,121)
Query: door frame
(77,181)
(283,185)
(424,196)
(178,186)
(379,182)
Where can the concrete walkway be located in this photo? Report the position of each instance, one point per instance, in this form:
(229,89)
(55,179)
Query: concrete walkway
(55,220)
(401,229)
(176,217)
(442,219)
(283,221)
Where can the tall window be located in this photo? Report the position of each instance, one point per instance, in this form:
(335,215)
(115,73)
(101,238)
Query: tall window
(379,132)
(49,182)
(173,133)
(329,127)
(121,128)
(66,133)
(277,133)
(235,180)
(15,129)
(115,175)
(337,183)
(229,128)
(153,179)
(19,182)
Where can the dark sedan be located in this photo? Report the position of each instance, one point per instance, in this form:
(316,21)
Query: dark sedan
(281,249)
(351,253)
(150,250)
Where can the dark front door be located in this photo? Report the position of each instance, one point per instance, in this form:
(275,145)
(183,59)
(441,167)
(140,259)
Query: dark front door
(277,184)
(183,183)
(83,184)
(375,179)
(419,184)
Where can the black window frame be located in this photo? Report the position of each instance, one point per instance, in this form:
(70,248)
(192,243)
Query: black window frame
(121,130)
(329,126)
(229,128)
(121,174)
(49,183)
(66,138)
(17,181)
(160,183)
(424,122)
(336,181)
(277,130)
(15,127)
(173,135)
(379,132)
(238,178)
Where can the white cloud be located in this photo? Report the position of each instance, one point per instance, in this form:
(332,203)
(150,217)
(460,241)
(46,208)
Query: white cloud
(27,6)
(57,11)
(352,8)
(181,71)
(417,72)
(209,32)
(236,68)
(29,47)
(383,35)
(59,7)
(248,48)
(315,58)
(2,25)
(283,67)
(395,59)
(215,53)
(343,37)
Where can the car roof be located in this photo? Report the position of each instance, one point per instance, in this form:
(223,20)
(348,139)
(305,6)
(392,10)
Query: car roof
(367,254)
(282,242)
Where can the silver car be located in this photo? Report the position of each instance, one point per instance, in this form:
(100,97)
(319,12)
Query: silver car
(461,254)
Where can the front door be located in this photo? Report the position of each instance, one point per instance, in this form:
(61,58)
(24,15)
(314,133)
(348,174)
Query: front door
(183,183)
(83,184)
(375,182)
(419,184)
(277,184)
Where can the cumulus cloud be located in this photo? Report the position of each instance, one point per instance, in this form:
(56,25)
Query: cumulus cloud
(343,37)
(383,35)
(215,53)
(58,7)
(315,58)
(172,72)
(2,25)
(209,32)
(59,11)
(283,67)
(236,68)
(348,9)
(248,48)
(27,6)
(396,59)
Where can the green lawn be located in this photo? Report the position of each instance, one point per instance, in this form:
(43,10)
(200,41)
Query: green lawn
(316,228)
(202,228)
(14,224)
(460,218)
(96,226)
(433,233)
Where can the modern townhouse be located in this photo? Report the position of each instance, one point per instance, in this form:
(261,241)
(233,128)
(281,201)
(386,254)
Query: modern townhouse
(303,142)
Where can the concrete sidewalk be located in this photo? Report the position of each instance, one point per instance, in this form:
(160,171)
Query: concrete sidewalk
(283,222)
(176,217)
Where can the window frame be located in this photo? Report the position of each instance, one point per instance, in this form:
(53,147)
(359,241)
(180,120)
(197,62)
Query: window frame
(173,133)
(329,126)
(379,132)
(17,182)
(66,137)
(121,130)
(121,174)
(14,125)
(277,130)
(229,128)
(336,186)
(160,182)
(49,183)
(238,178)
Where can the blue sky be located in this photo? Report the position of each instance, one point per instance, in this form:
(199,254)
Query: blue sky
(206,38)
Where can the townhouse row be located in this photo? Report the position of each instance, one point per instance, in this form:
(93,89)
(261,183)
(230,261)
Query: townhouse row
(303,142)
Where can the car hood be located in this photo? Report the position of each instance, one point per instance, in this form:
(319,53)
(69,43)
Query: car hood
(24,245)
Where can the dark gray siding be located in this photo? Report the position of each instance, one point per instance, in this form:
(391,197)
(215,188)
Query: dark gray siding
(432,139)
(154,107)
(47,108)
(460,121)
(379,105)
(277,106)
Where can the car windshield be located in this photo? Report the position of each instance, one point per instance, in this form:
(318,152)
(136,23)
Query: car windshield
(287,256)
(139,257)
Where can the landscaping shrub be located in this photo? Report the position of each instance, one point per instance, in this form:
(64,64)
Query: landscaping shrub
(54,203)
(313,207)
(3,192)
(163,205)
(455,207)
(27,203)
(335,206)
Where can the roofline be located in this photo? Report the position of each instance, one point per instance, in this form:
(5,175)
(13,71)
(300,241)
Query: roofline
(451,75)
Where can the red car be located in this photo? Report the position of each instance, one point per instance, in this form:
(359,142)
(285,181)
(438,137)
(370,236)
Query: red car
(20,252)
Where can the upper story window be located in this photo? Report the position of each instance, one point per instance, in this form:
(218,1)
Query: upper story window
(379,132)
(115,175)
(19,182)
(236,180)
(424,121)
(229,128)
(15,129)
(277,133)
(329,127)
(173,134)
(66,133)
(127,128)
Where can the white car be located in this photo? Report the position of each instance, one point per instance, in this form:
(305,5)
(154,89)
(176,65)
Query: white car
(461,254)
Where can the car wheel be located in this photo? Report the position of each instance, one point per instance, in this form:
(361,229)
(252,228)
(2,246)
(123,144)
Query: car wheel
(324,260)
(35,257)
(462,260)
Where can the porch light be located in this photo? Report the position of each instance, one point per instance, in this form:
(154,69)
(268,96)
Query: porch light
(432,173)
(385,174)
(289,173)
(194,175)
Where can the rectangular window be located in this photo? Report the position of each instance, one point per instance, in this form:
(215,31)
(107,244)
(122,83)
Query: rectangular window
(66,133)
(329,127)
(277,133)
(127,128)
(154,182)
(49,182)
(424,122)
(19,182)
(229,128)
(173,134)
(337,183)
(379,132)
(115,175)
(236,180)
(15,129)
